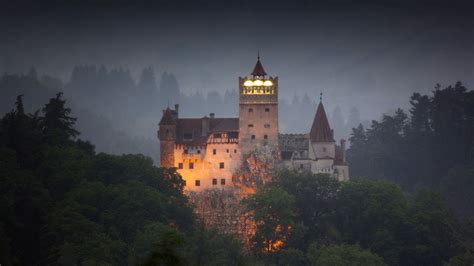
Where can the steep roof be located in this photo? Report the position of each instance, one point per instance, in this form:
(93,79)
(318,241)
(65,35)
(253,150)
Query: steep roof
(258,69)
(195,127)
(320,130)
(167,118)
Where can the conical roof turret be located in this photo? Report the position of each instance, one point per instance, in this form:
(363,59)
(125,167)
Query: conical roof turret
(320,130)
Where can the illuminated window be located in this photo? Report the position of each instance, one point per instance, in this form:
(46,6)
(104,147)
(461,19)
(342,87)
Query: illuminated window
(222,181)
(180,165)
(267,110)
(221,165)
(214,181)
(253,136)
(197,183)
(214,151)
(191,165)
(267,125)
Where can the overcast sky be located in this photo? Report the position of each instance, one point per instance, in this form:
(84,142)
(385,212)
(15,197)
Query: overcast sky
(370,54)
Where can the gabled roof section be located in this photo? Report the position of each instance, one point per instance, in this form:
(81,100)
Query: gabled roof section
(320,130)
(167,118)
(258,69)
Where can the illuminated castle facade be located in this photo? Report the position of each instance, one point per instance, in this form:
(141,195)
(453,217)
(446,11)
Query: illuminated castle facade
(208,151)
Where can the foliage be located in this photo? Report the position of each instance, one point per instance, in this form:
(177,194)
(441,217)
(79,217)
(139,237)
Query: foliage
(359,221)
(340,255)
(61,203)
(433,146)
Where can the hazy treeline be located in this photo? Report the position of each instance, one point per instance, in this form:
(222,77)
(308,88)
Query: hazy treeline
(120,113)
(430,146)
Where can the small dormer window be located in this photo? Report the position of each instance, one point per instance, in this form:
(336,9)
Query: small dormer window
(188,136)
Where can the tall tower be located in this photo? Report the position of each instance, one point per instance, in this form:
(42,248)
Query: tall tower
(167,137)
(258,110)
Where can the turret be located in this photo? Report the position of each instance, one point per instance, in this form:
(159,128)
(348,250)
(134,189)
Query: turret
(167,137)
(322,144)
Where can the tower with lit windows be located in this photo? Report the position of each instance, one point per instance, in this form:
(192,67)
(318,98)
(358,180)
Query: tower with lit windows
(258,110)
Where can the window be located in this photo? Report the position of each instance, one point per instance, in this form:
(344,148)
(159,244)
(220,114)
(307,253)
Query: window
(267,125)
(222,181)
(221,165)
(198,151)
(324,149)
(184,182)
(217,135)
(197,183)
(265,137)
(180,165)
(185,151)
(188,136)
(167,131)
(214,181)
(227,150)
(253,136)
(214,151)
(250,125)
(301,166)
(267,110)
(233,135)
(250,110)
(191,165)
(235,151)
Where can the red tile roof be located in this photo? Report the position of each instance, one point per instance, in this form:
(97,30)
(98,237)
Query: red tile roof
(320,130)
(194,126)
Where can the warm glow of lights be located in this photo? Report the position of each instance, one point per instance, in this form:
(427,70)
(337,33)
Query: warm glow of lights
(248,83)
(267,83)
(258,82)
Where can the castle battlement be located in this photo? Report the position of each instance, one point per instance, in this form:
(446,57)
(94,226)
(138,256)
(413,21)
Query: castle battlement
(208,151)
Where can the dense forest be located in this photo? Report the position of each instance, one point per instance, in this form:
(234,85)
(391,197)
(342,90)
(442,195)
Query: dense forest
(64,203)
(430,146)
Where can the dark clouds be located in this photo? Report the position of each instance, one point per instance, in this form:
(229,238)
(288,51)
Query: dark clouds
(375,52)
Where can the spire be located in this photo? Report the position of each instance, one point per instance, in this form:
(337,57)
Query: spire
(320,130)
(167,118)
(258,69)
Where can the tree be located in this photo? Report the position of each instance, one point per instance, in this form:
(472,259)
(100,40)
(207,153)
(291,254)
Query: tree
(273,214)
(340,255)
(57,124)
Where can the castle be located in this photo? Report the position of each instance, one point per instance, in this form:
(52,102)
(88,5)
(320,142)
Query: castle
(207,151)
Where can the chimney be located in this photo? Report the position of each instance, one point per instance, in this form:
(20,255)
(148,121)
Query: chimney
(211,115)
(205,126)
(343,150)
(176,108)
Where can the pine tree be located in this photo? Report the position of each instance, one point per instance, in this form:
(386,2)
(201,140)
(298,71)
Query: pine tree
(57,124)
